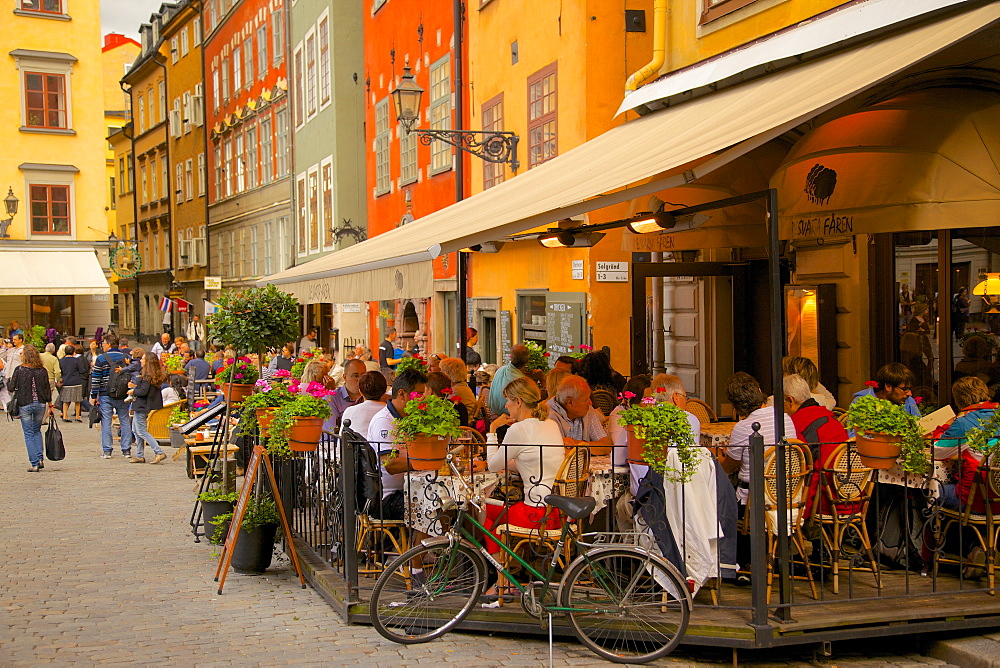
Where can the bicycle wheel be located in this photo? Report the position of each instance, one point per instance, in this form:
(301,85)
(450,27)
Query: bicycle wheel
(454,577)
(629,609)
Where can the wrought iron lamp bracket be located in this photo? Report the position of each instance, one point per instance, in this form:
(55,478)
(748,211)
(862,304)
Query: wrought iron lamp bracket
(496,147)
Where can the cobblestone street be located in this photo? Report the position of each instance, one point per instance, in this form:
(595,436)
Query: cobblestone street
(101,569)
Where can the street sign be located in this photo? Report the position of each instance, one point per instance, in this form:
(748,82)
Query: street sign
(577,270)
(213,282)
(183,306)
(175,294)
(611,272)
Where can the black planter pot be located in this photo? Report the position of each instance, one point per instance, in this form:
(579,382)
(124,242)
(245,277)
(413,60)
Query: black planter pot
(254,549)
(209,511)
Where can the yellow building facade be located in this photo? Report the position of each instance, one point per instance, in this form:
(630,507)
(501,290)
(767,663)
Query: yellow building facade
(55,164)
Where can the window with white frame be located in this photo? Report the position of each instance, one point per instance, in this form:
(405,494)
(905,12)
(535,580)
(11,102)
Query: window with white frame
(493,173)
(310,57)
(237,71)
(324,61)
(189,178)
(142,113)
(326,179)
(179,182)
(240,166)
(162,98)
(202,176)
(314,214)
(542,117)
(185,41)
(232,254)
(186,112)
(164,180)
(196,31)
(224,255)
(200,247)
(300,116)
(175,51)
(281,119)
(278,34)
(440,112)
(142,180)
(383,183)
(197,105)
(248,56)
(266,152)
(215,90)
(262,51)
(251,138)
(220,171)
(229,174)
(407,156)
(268,248)
(130,167)
(225,80)
(253,251)
(303,212)
(154,193)
(121,176)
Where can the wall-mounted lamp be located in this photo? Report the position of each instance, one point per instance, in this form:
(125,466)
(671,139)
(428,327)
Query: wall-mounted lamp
(485,247)
(646,223)
(567,239)
(10,204)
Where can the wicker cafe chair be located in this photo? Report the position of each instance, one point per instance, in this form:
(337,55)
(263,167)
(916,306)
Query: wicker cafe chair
(603,401)
(798,467)
(985,525)
(701,410)
(571,480)
(846,484)
(158,421)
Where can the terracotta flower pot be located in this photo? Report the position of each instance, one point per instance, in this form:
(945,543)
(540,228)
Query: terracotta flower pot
(878,451)
(427,453)
(264,418)
(635,446)
(305,434)
(234,393)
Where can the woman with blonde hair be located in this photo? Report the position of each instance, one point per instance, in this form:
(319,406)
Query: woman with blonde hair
(458,374)
(29,388)
(552,380)
(533,445)
(804,367)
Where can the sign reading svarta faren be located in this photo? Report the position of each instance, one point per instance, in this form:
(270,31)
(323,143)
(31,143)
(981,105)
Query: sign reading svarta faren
(824,226)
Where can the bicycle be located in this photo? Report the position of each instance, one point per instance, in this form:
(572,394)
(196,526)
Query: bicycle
(624,603)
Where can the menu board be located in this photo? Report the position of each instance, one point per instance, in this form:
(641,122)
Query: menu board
(564,321)
(505,336)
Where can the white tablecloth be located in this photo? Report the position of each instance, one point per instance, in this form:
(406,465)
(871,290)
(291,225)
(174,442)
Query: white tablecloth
(425,489)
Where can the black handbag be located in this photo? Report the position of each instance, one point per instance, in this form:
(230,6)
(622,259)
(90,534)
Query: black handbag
(54,448)
(13,410)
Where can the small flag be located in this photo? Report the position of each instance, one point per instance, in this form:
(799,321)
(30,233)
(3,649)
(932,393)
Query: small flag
(166,304)
(210,308)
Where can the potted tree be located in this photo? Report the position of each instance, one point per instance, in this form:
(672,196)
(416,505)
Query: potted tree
(259,408)
(216,503)
(236,378)
(256,319)
(652,428)
(429,424)
(298,424)
(255,543)
(885,433)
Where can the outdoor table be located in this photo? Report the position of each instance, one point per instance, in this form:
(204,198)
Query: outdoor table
(607,482)
(942,471)
(425,489)
(715,437)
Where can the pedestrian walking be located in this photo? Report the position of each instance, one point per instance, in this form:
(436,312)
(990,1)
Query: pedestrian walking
(51,364)
(29,386)
(110,400)
(147,398)
(74,373)
(195,332)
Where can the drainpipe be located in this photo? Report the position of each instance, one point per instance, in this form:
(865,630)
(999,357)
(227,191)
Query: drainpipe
(135,200)
(649,70)
(462,270)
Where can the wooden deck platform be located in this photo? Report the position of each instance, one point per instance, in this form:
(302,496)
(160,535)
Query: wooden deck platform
(907,604)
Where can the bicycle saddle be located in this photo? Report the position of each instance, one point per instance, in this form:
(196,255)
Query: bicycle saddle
(575,507)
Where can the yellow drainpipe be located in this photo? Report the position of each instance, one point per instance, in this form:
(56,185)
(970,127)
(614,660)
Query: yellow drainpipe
(651,68)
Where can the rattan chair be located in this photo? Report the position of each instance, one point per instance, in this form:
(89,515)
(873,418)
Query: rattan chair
(846,484)
(603,400)
(985,525)
(701,410)
(798,467)
(371,533)
(158,421)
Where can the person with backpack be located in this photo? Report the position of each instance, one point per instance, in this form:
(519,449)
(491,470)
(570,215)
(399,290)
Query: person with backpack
(109,388)
(29,387)
(147,398)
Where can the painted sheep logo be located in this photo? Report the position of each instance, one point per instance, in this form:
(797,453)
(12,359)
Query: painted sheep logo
(820,184)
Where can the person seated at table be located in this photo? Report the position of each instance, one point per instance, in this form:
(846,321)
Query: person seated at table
(458,373)
(580,422)
(198,367)
(744,393)
(819,427)
(552,380)
(437,383)
(974,396)
(284,359)
(531,447)
(638,387)
(347,395)
(595,368)
(372,386)
(394,460)
(220,360)
(804,367)
(893,382)
(567,364)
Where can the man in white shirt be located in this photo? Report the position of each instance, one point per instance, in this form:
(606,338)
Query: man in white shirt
(195,332)
(579,421)
(393,457)
(308,342)
(164,345)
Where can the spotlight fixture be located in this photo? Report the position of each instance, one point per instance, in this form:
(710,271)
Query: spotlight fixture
(485,247)
(645,223)
(567,239)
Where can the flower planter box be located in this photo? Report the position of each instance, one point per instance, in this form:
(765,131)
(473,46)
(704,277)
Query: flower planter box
(265,416)
(235,393)
(878,451)
(635,446)
(305,434)
(427,453)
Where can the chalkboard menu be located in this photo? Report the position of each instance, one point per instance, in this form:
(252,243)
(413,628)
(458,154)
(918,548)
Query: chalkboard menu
(505,336)
(564,313)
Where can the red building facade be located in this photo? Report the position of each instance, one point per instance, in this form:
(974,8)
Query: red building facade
(249,145)
(407,180)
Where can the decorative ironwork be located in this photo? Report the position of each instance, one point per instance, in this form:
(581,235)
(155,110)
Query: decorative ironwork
(347,230)
(126,261)
(496,147)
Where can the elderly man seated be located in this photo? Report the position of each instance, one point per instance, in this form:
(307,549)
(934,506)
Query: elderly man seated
(579,421)
(699,532)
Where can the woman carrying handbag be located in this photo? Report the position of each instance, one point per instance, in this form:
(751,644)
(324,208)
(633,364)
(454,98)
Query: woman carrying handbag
(146,391)
(30,390)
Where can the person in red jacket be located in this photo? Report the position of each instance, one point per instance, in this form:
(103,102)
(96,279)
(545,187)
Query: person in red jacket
(819,427)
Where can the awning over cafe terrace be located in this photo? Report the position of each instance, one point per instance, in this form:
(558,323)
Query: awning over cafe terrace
(32,273)
(633,160)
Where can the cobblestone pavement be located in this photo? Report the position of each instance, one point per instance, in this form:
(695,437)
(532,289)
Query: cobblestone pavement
(100,568)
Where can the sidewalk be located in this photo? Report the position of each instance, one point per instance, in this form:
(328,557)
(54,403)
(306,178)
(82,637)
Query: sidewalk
(101,568)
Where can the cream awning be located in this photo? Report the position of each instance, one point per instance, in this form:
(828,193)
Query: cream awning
(51,272)
(923,161)
(615,166)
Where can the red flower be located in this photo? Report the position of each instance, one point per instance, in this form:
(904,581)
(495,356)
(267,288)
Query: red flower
(628,395)
(447,390)
(422,406)
(455,399)
(871,383)
(584,346)
(659,390)
(417,356)
(545,354)
(918,400)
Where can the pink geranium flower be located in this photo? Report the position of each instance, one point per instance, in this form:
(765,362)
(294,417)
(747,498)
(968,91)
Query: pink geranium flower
(415,395)
(282,373)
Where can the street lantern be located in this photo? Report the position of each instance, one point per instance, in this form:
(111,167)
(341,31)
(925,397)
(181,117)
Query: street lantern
(10,202)
(112,239)
(406,97)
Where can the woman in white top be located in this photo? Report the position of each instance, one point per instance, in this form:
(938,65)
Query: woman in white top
(175,391)
(528,429)
(372,386)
